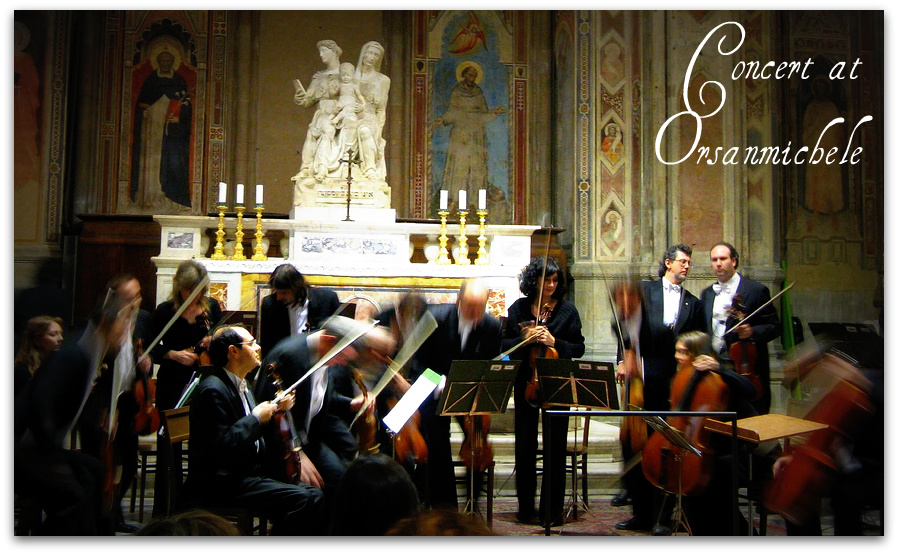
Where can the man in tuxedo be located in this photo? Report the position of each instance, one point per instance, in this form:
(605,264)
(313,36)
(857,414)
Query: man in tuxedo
(328,446)
(762,328)
(293,307)
(465,332)
(227,445)
(668,310)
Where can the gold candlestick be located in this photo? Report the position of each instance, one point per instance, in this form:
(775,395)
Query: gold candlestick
(258,252)
(462,239)
(218,253)
(481,239)
(443,258)
(238,235)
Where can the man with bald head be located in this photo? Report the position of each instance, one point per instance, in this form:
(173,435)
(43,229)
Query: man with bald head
(465,332)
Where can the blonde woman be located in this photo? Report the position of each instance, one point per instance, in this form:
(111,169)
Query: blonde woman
(177,353)
(43,335)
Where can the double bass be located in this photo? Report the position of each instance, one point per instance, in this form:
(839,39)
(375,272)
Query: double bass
(674,469)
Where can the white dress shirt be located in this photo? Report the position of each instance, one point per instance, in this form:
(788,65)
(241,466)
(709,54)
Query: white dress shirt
(722,302)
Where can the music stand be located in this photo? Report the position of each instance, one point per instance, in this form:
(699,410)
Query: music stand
(579,383)
(681,444)
(477,387)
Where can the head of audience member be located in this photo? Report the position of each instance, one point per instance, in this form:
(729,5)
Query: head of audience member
(234,348)
(194,523)
(472,297)
(288,285)
(553,286)
(43,335)
(675,263)
(433,523)
(724,261)
(374,493)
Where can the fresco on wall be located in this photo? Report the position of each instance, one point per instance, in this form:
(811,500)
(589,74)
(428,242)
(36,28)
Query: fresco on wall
(27,109)
(163,91)
(470,121)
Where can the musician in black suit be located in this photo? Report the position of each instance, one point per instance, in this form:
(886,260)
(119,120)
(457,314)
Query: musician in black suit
(293,307)
(762,328)
(464,332)
(227,444)
(668,309)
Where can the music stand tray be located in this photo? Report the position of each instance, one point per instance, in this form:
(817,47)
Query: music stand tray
(478,387)
(577,383)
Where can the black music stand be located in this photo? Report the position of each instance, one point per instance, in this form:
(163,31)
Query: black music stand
(571,383)
(477,387)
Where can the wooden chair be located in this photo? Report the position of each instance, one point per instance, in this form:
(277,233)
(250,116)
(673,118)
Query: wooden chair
(146,448)
(177,432)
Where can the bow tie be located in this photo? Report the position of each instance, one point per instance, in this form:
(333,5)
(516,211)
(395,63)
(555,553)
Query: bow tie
(670,287)
(718,288)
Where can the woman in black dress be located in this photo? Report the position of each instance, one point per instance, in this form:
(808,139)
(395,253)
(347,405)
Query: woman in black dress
(555,323)
(177,351)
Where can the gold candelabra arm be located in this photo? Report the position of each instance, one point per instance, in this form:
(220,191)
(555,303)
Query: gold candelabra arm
(481,239)
(259,250)
(462,239)
(238,235)
(218,253)
(443,258)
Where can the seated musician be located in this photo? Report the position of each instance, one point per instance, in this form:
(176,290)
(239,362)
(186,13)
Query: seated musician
(711,512)
(226,443)
(328,446)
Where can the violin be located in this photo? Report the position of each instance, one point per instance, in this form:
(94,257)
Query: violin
(670,467)
(366,427)
(285,465)
(146,420)
(409,444)
(476,451)
(744,353)
(633,431)
(199,349)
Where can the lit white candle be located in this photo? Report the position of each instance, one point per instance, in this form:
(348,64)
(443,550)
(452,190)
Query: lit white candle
(463,200)
(258,195)
(481,199)
(222,193)
(239,194)
(444,200)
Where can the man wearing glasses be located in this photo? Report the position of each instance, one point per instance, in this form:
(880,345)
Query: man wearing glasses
(667,311)
(227,445)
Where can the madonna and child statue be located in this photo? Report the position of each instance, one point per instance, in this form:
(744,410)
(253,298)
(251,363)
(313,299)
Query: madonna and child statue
(346,131)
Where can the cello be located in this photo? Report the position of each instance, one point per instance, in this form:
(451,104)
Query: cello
(674,469)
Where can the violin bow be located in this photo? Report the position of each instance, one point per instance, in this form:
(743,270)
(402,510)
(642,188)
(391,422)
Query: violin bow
(341,345)
(423,329)
(761,307)
(193,294)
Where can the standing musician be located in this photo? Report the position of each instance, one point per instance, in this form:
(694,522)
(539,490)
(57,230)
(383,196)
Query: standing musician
(668,309)
(127,288)
(67,484)
(328,446)
(555,323)
(293,307)
(717,318)
(175,352)
(227,444)
(465,331)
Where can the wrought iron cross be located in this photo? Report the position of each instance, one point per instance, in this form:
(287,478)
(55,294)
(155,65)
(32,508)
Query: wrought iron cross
(350,159)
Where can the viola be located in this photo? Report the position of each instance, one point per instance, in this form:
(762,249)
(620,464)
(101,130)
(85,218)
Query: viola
(146,420)
(670,467)
(476,451)
(366,427)
(285,452)
(795,492)
(532,391)
(744,353)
